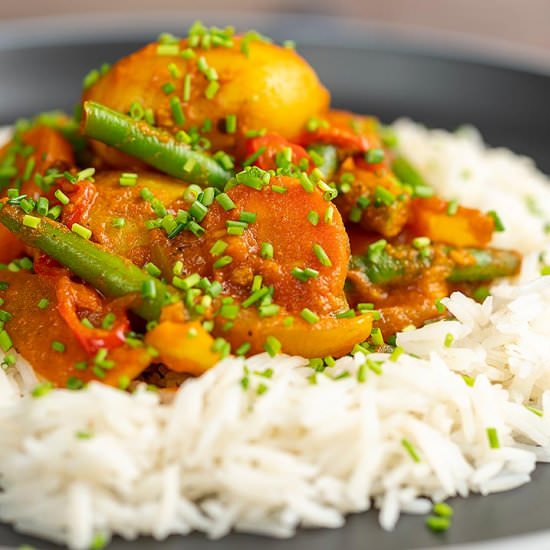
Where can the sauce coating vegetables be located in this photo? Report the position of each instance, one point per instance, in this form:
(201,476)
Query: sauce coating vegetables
(211,203)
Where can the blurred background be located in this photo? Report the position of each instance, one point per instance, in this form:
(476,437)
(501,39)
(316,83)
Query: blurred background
(525,23)
(442,62)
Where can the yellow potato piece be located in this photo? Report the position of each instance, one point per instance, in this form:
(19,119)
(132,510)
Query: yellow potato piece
(273,88)
(183,347)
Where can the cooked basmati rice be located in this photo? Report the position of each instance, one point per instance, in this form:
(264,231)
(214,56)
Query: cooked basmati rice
(219,457)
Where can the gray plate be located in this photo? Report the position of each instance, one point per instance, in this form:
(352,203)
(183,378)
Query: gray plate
(441,81)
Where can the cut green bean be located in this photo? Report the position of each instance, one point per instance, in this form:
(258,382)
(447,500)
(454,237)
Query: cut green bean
(112,275)
(403,263)
(151,145)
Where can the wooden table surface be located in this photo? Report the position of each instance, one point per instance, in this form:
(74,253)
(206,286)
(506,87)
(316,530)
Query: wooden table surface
(523,22)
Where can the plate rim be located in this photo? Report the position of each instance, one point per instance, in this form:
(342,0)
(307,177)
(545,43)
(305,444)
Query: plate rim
(119,26)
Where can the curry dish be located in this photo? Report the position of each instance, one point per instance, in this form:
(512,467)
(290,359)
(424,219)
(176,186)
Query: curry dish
(205,200)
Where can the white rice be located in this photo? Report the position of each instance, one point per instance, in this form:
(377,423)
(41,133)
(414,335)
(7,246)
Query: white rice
(220,457)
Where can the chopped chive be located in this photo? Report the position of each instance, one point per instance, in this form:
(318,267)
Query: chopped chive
(278,189)
(42,389)
(309,316)
(363,202)
(186,95)
(248,217)
(58,346)
(269,310)
(362,373)
(127,179)
(222,262)
(534,410)
(383,196)
(5,341)
(177,113)
(231,124)
(409,447)
(212,89)
(229,311)
(256,295)
(29,167)
(374,366)
(80,230)
(423,191)
(168,49)
(61,197)
(449,338)
(108,321)
(43,303)
(266,251)
(355,214)
(236,227)
(492,436)
(168,88)
(225,202)
(499,226)
(257,282)
(481,293)
(87,323)
(452,208)
(375,250)
(174,70)
(81,365)
(85,174)
(254,156)
(198,210)
(396,354)
(149,116)
(243,349)
(306,183)
(329,214)
(31,221)
(152,269)
(218,248)
(207,196)
(347,314)
(188,53)
(322,256)
(313,217)
(438,524)
(123,382)
(376,337)
(42,206)
(421,242)
(254,177)
(443,510)
(272,346)
(255,133)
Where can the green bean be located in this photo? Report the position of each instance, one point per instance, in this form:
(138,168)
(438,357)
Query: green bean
(402,263)
(407,174)
(393,265)
(112,275)
(490,263)
(151,145)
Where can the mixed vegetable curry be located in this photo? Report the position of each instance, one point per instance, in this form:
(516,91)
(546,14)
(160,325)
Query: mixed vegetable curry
(205,200)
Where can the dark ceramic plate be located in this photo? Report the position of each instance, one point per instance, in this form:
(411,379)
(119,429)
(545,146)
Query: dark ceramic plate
(439,80)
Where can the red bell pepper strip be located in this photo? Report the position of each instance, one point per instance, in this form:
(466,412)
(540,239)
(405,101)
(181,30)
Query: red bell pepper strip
(82,195)
(72,296)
